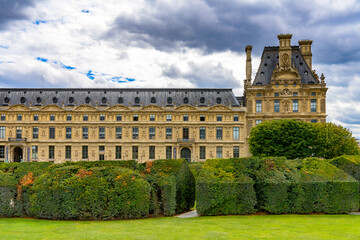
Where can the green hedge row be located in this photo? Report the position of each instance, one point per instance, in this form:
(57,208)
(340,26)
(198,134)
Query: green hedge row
(96,190)
(280,185)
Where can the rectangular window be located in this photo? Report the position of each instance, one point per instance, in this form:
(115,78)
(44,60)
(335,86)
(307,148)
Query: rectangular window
(168,152)
(135,152)
(168,132)
(236,118)
(3,117)
(313,93)
(219,133)
(85,152)
(313,105)
(85,132)
(295,94)
(68,152)
(202,132)
(186,118)
(36,117)
(276,105)
(218,152)
(152,117)
(219,118)
(118,118)
(2,132)
(52,117)
(135,133)
(101,132)
(258,94)
(35,132)
(151,132)
(236,152)
(19,117)
(51,152)
(276,94)
(51,132)
(102,117)
(118,152)
(101,157)
(118,132)
(34,152)
(2,151)
(202,118)
(85,118)
(135,117)
(168,117)
(258,122)
(258,106)
(18,132)
(101,148)
(295,105)
(202,152)
(68,132)
(313,120)
(236,134)
(151,152)
(68,117)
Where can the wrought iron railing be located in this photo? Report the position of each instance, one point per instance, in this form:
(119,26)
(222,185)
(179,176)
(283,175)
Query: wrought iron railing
(17,139)
(185,139)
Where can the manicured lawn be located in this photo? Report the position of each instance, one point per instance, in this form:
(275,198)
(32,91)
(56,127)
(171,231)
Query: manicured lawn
(230,227)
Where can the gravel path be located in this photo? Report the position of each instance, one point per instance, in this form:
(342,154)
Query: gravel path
(188,214)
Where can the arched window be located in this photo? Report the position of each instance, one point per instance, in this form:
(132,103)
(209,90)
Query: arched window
(22,99)
(71,99)
(186,100)
(104,100)
(202,100)
(218,100)
(38,99)
(55,99)
(153,100)
(120,100)
(87,100)
(6,100)
(169,100)
(137,100)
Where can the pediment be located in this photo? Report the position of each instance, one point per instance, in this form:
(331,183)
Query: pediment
(85,107)
(52,107)
(287,74)
(219,108)
(152,108)
(18,107)
(186,108)
(118,108)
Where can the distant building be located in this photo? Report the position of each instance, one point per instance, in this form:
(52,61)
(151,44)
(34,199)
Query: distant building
(144,124)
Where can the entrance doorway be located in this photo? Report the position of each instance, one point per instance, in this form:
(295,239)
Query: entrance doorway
(186,153)
(18,154)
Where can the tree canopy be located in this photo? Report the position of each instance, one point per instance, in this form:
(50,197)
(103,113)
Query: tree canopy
(297,139)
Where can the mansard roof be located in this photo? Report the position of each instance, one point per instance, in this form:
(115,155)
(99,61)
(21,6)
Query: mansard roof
(113,96)
(269,60)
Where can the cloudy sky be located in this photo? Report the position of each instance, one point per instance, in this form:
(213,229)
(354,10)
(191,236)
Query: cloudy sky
(184,43)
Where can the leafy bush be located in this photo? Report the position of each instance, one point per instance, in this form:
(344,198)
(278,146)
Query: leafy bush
(220,191)
(73,192)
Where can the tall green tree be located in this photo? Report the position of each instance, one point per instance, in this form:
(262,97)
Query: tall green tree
(334,140)
(289,138)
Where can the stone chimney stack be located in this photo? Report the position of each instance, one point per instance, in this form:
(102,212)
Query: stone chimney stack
(285,50)
(248,49)
(305,49)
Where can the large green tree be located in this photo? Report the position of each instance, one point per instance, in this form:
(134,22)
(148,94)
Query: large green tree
(296,139)
(334,140)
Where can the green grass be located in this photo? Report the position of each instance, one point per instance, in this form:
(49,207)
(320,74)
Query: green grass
(223,227)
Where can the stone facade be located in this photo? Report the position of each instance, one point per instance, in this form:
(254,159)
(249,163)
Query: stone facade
(197,124)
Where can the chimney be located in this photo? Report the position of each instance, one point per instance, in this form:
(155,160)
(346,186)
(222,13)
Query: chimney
(305,49)
(285,50)
(248,49)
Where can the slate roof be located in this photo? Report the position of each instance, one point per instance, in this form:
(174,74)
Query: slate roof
(269,60)
(113,96)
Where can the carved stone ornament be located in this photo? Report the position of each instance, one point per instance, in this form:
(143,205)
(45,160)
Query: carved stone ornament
(219,108)
(186,108)
(286,92)
(285,60)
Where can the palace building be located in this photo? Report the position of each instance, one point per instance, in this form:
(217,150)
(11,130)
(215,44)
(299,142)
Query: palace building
(144,124)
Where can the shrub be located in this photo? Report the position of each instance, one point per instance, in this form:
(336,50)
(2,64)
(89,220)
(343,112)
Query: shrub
(73,192)
(220,191)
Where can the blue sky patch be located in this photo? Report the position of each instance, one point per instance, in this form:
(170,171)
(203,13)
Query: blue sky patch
(37,22)
(66,67)
(4,47)
(130,79)
(85,11)
(90,75)
(42,59)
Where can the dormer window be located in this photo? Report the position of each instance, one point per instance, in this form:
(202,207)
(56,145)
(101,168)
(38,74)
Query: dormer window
(104,100)
(87,100)
(169,100)
(202,100)
(218,100)
(38,99)
(120,100)
(153,100)
(137,100)
(186,100)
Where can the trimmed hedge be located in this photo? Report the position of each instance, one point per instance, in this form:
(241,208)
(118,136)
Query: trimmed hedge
(173,186)
(15,182)
(349,164)
(281,186)
(73,192)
